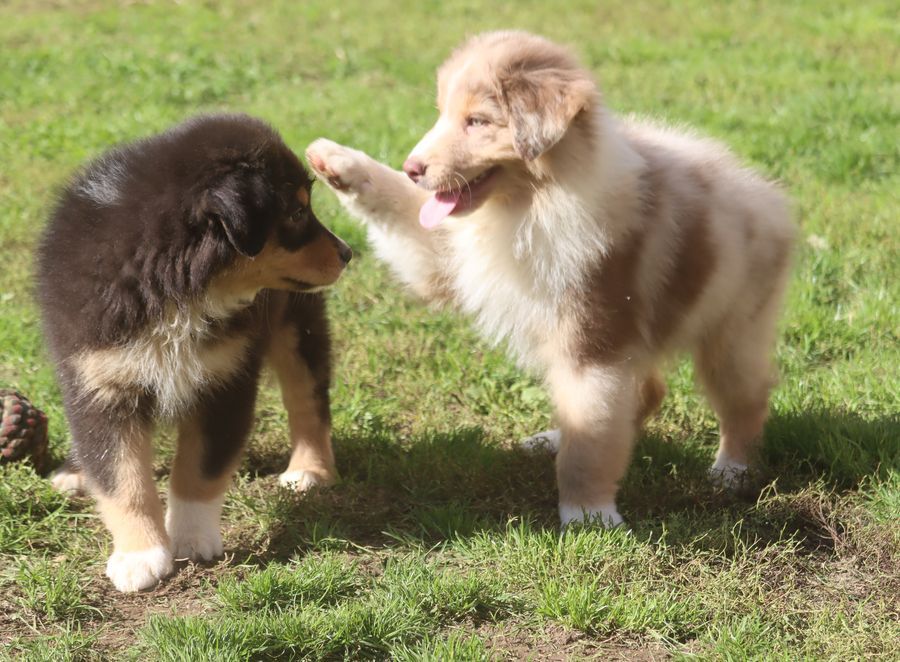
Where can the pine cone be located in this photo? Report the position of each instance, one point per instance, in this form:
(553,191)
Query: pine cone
(23,430)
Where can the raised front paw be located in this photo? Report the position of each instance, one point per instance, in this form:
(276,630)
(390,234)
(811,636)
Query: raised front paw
(342,168)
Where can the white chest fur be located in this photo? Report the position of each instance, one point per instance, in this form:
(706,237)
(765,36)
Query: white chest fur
(174,360)
(513,268)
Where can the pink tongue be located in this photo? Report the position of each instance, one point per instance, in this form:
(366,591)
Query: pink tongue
(437,208)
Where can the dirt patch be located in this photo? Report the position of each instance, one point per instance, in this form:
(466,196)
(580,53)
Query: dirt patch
(186,593)
(515,641)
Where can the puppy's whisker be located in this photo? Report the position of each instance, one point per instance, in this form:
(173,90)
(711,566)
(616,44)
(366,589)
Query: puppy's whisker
(464,182)
(456,181)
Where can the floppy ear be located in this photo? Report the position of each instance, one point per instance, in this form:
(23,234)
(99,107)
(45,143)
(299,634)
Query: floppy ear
(541,105)
(238,203)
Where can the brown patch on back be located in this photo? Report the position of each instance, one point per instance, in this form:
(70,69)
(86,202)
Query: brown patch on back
(701,179)
(691,270)
(612,305)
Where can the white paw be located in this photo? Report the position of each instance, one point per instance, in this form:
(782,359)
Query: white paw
(342,168)
(193,528)
(69,482)
(727,473)
(135,571)
(303,480)
(543,442)
(605,514)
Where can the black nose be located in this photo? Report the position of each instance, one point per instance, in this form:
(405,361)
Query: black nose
(414,169)
(345,252)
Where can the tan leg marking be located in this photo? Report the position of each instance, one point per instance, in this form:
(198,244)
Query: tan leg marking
(312,458)
(741,434)
(188,480)
(133,515)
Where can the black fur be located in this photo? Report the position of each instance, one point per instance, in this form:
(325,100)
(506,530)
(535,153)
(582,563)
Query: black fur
(307,315)
(187,200)
(226,416)
(147,226)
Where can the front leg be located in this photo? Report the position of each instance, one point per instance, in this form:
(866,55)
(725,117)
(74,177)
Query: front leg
(300,354)
(115,455)
(597,407)
(389,203)
(210,441)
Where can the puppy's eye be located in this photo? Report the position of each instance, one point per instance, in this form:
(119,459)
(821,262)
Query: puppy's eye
(475,121)
(298,214)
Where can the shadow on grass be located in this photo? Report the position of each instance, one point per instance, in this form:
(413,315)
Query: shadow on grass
(444,486)
(841,449)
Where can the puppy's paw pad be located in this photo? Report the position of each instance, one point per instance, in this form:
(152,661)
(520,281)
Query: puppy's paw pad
(304,479)
(542,442)
(69,482)
(604,514)
(728,474)
(136,571)
(342,168)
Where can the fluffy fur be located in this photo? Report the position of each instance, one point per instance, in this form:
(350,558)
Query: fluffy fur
(593,246)
(170,269)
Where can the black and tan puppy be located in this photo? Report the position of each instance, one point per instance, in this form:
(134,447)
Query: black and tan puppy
(170,269)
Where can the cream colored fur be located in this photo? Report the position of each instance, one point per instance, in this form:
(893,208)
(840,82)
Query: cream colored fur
(175,359)
(517,262)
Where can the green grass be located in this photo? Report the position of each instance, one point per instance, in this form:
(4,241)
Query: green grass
(441,540)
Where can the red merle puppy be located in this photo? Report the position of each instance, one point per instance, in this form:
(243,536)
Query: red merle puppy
(170,270)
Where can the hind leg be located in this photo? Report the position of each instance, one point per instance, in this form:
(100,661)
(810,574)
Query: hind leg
(210,440)
(650,396)
(69,479)
(736,371)
(300,354)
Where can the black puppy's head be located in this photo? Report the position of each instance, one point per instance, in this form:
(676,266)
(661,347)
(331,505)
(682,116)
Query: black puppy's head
(255,195)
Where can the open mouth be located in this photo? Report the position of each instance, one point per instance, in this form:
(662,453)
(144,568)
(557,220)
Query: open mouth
(302,285)
(456,201)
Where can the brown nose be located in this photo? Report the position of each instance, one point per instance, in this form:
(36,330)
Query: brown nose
(414,169)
